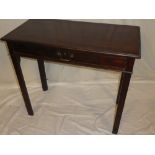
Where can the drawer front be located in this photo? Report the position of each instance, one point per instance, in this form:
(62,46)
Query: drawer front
(91,59)
(85,58)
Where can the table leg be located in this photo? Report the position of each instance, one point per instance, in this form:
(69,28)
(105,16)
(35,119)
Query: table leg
(122,93)
(42,74)
(16,63)
(119,90)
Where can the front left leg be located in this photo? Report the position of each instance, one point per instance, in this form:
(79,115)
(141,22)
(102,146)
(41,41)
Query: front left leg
(16,63)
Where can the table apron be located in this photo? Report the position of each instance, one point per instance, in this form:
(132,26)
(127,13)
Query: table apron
(95,60)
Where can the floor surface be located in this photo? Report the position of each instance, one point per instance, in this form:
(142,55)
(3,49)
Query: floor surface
(78,109)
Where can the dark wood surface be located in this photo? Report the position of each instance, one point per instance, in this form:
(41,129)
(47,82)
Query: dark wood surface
(122,93)
(16,63)
(96,37)
(74,57)
(95,45)
(42,74)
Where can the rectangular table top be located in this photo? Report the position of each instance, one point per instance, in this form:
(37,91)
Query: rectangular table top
(94,37)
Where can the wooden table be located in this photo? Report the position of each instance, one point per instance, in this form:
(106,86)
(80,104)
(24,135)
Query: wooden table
(97,45)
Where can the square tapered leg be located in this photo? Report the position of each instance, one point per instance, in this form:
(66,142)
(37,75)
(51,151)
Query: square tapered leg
(42,74)
(16,63)
(122,93)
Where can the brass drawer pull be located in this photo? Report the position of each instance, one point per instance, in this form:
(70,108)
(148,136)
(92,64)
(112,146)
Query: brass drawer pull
(59,54)
(64,56)
(66,60)
(71,55)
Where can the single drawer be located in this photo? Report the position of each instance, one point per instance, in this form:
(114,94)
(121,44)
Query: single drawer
(91,58)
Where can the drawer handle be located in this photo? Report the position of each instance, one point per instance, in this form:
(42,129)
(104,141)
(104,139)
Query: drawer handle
(71,55)
(66,60)
(62,56)
(59,54)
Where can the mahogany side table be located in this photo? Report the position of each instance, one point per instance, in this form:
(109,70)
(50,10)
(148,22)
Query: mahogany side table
(97,45)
